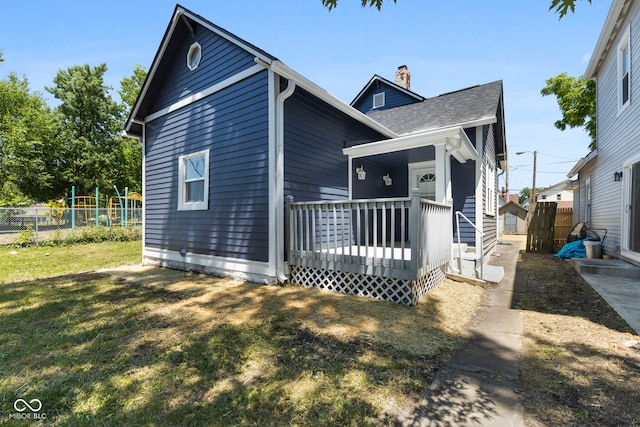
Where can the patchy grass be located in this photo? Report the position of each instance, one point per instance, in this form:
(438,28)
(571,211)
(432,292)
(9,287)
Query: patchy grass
(149,346)
(576,369)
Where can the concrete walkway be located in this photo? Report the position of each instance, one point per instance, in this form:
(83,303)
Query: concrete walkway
(617,282)
(478,386)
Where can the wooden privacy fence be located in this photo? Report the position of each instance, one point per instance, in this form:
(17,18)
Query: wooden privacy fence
(540,235)
(562,225)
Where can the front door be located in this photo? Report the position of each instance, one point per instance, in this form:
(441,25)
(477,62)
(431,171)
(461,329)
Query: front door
(633,208)
(630,241)
(423,177)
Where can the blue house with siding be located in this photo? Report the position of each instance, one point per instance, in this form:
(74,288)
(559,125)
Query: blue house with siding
(252,170)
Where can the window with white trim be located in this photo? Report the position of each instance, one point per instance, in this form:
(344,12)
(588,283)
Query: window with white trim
(624,71)
(193,181)
(194,56)
(378,100)
(490,189)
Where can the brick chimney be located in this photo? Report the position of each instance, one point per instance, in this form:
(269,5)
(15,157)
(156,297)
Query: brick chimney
(403,77)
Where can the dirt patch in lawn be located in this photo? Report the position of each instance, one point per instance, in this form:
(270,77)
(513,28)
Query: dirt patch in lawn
(578,366)
(435,324)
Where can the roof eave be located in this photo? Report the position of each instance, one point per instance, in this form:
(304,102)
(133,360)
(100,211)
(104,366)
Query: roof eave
(390,83)
(179,12)
(462,152)
(603,40)
(281,69)
(581,163)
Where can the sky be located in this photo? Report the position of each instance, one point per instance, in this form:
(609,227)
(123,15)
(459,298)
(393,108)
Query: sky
(447,45)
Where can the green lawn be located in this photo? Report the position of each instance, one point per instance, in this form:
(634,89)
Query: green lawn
(149,346)
(17,264)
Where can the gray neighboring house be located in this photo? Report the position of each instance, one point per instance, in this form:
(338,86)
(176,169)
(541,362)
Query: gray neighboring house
(252,170)
(608,188)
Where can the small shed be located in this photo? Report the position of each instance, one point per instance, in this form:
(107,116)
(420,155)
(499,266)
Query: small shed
(514,217)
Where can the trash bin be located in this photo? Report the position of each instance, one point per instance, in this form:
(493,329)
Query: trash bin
(593,248)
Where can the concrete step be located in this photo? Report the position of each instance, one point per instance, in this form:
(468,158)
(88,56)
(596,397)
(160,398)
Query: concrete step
(490,273)
(606,267)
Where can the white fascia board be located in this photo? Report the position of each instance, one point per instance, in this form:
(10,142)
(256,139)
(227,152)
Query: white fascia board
(154,68)
(390,83)
(286,72)
(583,161)
(208,91)
(238,42)
(604,38)
(156,62)
(466,151)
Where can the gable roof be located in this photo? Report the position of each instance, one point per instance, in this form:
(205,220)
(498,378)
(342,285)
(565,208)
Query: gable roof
(615,18)
(511,205)
(183,20)
(472,106)
(377,78)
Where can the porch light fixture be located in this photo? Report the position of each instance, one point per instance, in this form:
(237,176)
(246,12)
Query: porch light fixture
(362,175)
(387,180)
(617,176)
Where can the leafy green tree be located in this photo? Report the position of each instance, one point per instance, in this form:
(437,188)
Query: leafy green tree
(577,101)
(29,143)
(92,122)
(561,7)
(526,192)
(130,170)
(130,87)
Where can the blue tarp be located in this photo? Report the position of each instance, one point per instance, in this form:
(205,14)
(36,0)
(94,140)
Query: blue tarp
(572,250)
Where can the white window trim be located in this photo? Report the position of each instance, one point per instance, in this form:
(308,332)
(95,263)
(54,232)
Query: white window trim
(625,43)
(380,97)
(490,189)
(183,205)
(192,65)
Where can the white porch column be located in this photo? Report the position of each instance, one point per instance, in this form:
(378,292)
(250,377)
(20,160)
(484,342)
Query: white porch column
(443,175)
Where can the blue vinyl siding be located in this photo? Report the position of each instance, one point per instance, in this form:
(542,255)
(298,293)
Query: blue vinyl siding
(233,124)
(463,177)
(315,167)
(393,97)
(315,134)
(220,60)
(489,223)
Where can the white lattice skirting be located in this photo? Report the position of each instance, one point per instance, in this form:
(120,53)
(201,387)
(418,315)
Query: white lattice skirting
(401,291)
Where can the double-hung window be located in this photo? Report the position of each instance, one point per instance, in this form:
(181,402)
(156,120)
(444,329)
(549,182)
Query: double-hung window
(193,181)
(624,71)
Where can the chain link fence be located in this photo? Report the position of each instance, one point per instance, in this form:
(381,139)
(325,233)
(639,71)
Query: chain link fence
(47,222)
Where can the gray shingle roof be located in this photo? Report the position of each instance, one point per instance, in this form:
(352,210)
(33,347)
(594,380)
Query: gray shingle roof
(449,109)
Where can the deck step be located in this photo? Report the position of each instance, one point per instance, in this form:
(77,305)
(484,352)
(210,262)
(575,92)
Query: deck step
(607,267)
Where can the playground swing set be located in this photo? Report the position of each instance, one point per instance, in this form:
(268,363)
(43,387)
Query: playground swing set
(121,210)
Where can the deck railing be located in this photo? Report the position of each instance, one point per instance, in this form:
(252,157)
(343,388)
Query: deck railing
(395,238)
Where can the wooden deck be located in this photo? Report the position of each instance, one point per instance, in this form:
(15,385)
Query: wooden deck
(393,249)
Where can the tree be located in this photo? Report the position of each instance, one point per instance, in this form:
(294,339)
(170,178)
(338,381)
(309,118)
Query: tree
(525,193)
(330,4)
(29,142)
(130,87)
(577,101)
(92,121)
(561,7)
(130,170)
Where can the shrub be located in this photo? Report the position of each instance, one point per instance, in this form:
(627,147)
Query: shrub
(26,237)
